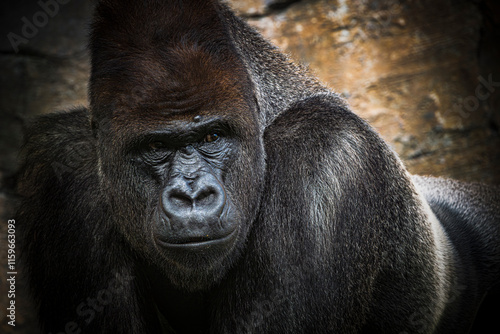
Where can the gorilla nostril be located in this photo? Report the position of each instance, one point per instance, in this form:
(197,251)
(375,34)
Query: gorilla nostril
(206,197)
(180,200)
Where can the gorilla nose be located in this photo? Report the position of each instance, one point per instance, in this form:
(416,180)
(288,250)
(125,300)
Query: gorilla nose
(187,200)
(201,200)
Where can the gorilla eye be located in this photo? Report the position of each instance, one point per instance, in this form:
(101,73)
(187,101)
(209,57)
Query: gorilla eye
(211,137)
(157,145)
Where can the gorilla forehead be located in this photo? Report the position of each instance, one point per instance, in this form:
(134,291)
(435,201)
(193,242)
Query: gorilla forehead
(138,104)
(181,80)
(169,108)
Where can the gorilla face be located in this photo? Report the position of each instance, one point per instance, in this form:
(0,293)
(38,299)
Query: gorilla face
(176,171)
(183,193)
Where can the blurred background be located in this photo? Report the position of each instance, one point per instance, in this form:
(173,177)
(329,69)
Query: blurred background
(424,73)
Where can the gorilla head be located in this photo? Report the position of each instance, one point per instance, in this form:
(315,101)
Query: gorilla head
(177,129)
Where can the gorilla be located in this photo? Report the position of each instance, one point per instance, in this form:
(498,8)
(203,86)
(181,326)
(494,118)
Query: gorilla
(213,186)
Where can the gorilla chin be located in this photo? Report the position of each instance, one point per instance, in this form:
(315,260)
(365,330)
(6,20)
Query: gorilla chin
(195,263)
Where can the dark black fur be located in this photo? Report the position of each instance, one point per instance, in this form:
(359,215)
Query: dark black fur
(333,236)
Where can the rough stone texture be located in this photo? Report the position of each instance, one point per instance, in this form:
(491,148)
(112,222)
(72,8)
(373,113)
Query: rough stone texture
(410,67)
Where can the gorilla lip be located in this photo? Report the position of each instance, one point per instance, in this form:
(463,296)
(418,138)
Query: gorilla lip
(197,242)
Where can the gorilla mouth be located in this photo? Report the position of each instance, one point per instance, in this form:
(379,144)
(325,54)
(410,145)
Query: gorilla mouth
(199,242)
